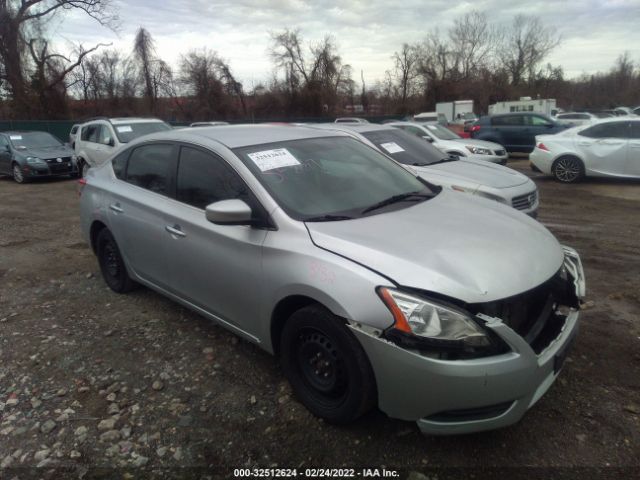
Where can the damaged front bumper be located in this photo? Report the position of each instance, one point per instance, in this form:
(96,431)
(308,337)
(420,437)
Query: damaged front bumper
(470,395)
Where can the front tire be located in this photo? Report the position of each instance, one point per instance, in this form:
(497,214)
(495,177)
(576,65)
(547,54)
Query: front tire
(18,176)
(112,266)
(326,366)
(568,169)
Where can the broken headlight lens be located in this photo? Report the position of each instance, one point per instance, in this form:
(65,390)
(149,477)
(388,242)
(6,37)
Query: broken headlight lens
(431,320)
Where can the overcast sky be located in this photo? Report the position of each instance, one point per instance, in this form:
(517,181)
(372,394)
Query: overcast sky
(594,32)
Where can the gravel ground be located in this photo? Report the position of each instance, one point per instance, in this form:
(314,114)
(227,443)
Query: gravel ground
(94,384)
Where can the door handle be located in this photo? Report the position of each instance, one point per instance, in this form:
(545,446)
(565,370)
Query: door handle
(116,207)
(175,230)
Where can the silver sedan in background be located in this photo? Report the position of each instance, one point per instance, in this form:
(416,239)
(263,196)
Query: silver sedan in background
(372,286)
(482,179)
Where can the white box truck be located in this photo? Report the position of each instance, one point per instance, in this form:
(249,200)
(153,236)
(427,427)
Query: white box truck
(526,104)
(457,112)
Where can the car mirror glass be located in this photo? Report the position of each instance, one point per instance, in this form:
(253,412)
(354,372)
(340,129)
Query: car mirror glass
(229,212)
(428,138)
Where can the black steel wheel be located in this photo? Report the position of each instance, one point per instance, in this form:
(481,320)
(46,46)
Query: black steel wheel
(326,366)
(112,266)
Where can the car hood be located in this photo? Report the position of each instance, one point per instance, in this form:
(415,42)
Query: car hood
(479,143)
(471,249)
(475,172)
(47,152)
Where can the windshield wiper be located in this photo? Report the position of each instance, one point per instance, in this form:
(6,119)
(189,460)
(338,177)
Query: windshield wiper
(328,218)
(403,197)
(445,160)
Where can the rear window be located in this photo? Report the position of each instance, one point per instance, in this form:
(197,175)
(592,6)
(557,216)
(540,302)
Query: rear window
(127,132)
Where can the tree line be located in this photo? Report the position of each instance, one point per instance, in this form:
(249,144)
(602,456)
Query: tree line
(473,59)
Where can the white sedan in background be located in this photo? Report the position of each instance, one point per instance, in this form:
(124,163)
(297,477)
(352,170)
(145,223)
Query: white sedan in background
(609,148)
(576,119)
(449,142)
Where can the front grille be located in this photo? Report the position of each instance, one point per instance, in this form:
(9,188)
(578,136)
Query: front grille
(525,202)
(55,160)
(536,314)
(499,152)
(60,167)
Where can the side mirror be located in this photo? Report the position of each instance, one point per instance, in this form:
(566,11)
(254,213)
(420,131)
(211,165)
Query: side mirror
(428,138)
(109,141)
(229,212)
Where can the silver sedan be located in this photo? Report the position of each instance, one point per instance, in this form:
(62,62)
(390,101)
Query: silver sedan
(372,286)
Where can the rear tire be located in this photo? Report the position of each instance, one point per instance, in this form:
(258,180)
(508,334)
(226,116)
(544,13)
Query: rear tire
(112,266)
(326,366)
(568,169)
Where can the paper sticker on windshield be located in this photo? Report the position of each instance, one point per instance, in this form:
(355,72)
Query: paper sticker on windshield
(124,129)
(276,158)
(15,137)
(392,147)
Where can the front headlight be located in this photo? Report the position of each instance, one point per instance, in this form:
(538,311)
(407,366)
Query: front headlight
(432,321)
(35,161)
(478,150)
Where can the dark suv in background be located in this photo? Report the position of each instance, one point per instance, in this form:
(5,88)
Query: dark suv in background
(515,131)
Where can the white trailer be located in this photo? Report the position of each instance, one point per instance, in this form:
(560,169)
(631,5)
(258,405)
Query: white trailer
(526,104)
(456,112)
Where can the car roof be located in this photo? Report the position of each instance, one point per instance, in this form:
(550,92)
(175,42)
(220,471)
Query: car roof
(236,136)
(354,127)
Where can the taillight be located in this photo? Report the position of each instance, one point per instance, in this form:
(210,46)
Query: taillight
(475,128)
(81,183)
(542,146)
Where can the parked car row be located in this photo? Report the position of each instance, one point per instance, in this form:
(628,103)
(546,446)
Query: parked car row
(332,247)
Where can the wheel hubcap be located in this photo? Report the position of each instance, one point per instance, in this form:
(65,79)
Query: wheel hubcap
(17,174)
(320,363)
(567,169)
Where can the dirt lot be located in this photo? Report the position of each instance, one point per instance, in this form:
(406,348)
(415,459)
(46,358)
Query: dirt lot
(139,386)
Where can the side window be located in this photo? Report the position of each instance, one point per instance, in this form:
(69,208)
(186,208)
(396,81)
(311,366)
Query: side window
(104,135)
(507,121)
(204,178)
(74,129)
(119,164)
(148,167)
(91,133)
(86,132)
(607,130)
(536,121)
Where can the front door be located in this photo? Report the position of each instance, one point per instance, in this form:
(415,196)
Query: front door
(216,267)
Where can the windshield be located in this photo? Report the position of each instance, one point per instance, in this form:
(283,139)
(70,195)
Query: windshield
(443,133)
(34,140)
(337,176)
(404,147)
(127,132)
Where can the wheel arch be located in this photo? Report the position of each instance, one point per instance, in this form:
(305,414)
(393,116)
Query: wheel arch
(96,227)
(284,309)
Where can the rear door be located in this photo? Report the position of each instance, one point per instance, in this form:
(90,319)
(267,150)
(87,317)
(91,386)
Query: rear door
(137,205)
(511,131)
(633,154)
(216,267)
(5,155)
(605,147)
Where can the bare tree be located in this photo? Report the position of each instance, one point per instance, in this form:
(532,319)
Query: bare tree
(406,70)
(473,41)
(144,54)
(524,45)
(21,21)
